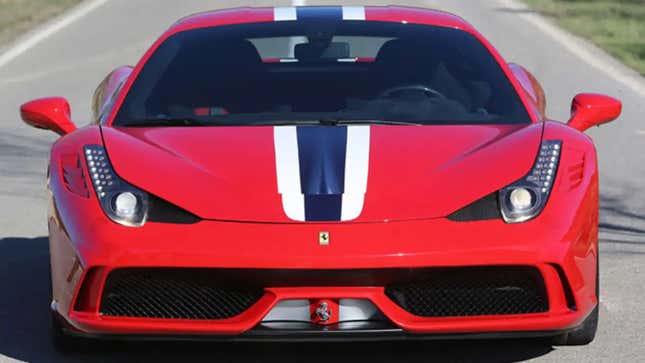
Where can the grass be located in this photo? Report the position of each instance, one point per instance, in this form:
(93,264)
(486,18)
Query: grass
(18,16)
(617,26)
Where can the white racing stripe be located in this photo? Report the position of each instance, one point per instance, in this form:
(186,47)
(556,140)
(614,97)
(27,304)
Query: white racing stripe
(285,139)
(284,14)
(357,159)
(286,148)
(290,14)
(353,13)
(357,156)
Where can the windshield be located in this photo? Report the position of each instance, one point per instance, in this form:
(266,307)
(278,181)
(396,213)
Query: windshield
(295,72)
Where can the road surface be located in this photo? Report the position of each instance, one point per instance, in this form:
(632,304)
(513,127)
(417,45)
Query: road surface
(72,57)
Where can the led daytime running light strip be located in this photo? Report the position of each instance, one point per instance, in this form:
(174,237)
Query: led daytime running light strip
(103,177)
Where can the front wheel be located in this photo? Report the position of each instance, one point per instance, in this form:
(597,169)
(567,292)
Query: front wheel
(62,342)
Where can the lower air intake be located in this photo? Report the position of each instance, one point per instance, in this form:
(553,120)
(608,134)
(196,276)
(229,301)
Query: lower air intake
(174,294)
(458,292)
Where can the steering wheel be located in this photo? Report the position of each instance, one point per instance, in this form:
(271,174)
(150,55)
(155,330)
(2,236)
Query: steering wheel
(419,88)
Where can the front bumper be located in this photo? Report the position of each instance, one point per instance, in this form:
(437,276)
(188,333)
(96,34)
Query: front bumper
(367,332)
(565,258)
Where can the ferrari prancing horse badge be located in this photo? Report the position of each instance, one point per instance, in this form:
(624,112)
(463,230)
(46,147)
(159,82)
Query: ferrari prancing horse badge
(323,238)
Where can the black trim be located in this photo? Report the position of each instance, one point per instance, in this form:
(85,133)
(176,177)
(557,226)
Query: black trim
(327,336)
(162,211)
(249,277)
(568,292)
(486,208)
(375,332)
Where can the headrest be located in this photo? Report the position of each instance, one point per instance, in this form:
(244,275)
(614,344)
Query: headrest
(398,51)
(238,52)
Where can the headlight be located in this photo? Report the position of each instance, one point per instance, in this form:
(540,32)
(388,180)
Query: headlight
(125,205)
(122,202)
(522,200)
(525,199)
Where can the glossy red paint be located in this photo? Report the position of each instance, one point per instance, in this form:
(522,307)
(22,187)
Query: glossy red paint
(571,209)
(418,176)
(460,155)
(74,177)
(64,254)
(556,319)
(590,109)
(51,113)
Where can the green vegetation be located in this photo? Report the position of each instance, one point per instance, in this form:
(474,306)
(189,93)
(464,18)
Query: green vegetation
(618,26)
(18,16)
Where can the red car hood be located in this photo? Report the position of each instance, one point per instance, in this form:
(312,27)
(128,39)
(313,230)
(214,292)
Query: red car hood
(243,173)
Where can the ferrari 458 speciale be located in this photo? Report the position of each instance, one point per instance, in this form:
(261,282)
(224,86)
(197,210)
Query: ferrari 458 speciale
(323,173)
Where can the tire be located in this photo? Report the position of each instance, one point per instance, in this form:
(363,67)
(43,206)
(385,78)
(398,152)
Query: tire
(586,332)
(62,342)
(66,344)
(582,335)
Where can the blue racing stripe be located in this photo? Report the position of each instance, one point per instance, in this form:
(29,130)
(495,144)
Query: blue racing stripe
(321,154)
(323,207)
(320,13)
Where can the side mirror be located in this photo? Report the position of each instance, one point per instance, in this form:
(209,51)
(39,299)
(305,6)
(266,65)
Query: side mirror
(590,109)
(51,113)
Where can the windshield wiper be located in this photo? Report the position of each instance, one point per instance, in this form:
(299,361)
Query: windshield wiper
(330,122)
(281,123)
(341,121)
(184,121)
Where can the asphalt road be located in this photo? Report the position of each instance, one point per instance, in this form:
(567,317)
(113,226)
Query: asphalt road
(72,61)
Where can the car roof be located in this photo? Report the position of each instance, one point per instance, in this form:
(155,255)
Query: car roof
(400,14)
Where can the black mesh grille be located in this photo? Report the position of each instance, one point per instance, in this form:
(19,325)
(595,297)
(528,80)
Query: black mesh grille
(174,294)
(472,292)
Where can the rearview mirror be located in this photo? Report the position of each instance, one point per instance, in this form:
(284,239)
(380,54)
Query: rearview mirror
(590,109)
(51,113)
(314,52)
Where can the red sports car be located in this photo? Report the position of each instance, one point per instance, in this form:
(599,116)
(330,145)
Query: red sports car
(323,173)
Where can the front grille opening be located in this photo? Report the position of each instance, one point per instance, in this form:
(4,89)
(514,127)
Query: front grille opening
(456,292)
(175,294)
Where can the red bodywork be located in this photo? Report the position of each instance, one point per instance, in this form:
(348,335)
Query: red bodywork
(403,223)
